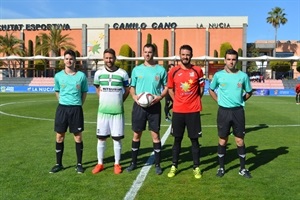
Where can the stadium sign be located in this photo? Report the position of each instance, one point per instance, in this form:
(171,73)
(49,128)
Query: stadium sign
(33,27)
(7,89)
(40,89)
(164,25)
(214,25)
(135,26)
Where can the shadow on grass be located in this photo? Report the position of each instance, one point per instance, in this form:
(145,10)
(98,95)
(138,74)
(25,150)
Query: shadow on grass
(262,157)
(256,128)
(209,157)
(203,114)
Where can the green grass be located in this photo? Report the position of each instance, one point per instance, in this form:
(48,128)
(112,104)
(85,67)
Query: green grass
(27,153)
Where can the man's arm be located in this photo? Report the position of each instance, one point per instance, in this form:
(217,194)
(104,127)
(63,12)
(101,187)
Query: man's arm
(126,93)
(213,95)
(133,94)
(161,96)
(247,96)
(57,95)
(83,97)
(97,89)
(171,93)
(201,91)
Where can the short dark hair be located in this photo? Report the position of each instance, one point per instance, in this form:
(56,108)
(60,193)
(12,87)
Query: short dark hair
(70,52)
(171,65)
(111,51)
(150,46)
(232,52)
(186,47)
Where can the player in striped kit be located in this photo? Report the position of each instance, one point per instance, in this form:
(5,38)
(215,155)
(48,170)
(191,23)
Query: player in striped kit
(112,87)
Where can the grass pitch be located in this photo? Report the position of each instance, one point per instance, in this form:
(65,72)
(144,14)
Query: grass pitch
(28,141)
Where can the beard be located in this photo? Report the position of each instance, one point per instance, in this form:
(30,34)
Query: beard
(185,62)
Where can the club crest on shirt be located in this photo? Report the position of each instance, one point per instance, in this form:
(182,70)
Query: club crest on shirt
(157,78)
(240,85)
(192,74)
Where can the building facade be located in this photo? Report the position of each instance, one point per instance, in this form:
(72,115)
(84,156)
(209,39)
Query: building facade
(283,48)
(92,35)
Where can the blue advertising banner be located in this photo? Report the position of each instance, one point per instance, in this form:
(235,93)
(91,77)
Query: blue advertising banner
(282,92)
(48,89)
(33,89)
(274,92)
(260,92)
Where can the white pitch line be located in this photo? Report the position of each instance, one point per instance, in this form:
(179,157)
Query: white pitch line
(129,124)
(41,118)
(144,171)
(137,184)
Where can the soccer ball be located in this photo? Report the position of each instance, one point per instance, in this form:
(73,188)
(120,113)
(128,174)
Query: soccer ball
(145,99)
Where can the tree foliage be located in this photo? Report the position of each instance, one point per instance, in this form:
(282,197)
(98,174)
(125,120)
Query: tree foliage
(40,68)
(251,66)
(54,42)
(125,64)
(239,63)
(11,45)
(155,52)
(276,17)
(223,48)
(166,53)
(133,63)
(298,66)
(149,38)
(39,65)
(37,44)
(30,62)
(280,66)
(140,62)
(216,56)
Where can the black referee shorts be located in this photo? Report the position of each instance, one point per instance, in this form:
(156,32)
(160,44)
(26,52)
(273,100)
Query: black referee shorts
(69,116)
(228,118)
(141,115)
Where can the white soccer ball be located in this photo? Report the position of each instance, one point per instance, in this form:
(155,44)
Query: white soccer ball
(145,99)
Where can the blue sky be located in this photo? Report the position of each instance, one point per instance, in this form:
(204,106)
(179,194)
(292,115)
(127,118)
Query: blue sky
(256,10)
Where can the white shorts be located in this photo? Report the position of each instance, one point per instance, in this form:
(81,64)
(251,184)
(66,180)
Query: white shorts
(110,125)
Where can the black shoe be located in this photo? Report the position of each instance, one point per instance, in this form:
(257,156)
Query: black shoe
(56,168)
(158,170)
(220,172)
(131,167)
(79,169)
(245,173)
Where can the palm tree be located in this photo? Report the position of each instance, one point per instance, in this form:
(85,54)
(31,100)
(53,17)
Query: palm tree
(11,45)
(53,43)
(276,18)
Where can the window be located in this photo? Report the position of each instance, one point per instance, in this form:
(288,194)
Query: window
(284,54)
